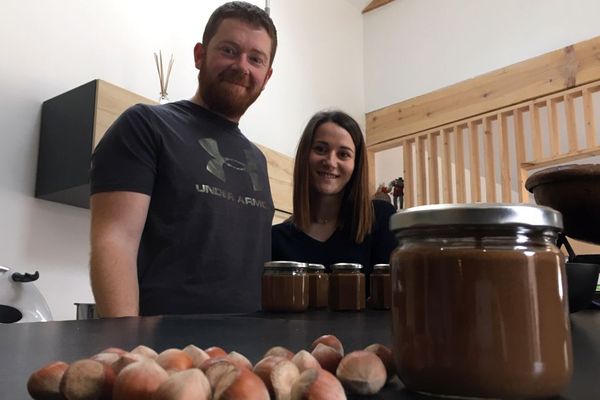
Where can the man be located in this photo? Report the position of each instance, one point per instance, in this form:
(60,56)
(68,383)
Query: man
(181,204)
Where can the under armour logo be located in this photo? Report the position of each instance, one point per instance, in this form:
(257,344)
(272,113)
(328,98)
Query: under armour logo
(216,165)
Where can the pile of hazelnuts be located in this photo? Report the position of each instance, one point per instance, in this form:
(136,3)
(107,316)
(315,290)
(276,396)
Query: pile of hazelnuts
(193,373)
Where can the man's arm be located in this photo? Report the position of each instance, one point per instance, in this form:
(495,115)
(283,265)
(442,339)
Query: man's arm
(117,223)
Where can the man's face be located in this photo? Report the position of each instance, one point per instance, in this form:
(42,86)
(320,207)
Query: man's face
(234,67)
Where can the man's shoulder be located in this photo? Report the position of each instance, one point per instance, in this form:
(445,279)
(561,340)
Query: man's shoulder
(145,109)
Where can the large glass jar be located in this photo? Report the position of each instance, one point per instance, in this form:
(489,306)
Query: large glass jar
(318,286)
(380,285)
(347,290)
(479,301)
(284,286)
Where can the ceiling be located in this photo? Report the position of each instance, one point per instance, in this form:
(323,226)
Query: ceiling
(359,4)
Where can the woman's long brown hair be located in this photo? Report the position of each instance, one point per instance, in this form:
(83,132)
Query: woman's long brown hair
(357,209)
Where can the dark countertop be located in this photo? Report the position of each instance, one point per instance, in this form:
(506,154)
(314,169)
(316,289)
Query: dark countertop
(26,347)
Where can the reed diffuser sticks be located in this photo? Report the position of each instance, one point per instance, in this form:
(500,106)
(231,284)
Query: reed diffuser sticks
(164,81)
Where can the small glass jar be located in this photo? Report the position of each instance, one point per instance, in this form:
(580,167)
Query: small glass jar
(318,286)
(285,286)
(479,301)
(346,287)
(380,285)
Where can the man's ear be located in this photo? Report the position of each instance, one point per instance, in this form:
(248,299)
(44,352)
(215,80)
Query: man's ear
(267,77)
(199,53)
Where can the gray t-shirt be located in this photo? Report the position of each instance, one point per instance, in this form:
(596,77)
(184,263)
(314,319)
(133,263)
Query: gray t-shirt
(208,230)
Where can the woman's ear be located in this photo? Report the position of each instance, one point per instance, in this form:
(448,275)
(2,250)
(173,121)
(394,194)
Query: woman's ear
(199,53)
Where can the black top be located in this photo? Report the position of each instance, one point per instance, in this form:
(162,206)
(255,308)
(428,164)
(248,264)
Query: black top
(205,179)
(291,244)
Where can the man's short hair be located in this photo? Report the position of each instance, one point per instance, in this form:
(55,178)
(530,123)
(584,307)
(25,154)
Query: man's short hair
(243,11)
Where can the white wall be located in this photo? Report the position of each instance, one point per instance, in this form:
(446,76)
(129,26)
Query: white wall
(49,47)
(413,47)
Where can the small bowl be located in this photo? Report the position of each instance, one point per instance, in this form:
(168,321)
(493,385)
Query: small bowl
(582,278)
(574,190)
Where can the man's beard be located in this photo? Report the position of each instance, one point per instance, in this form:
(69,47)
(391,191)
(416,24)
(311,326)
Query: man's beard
(222,94)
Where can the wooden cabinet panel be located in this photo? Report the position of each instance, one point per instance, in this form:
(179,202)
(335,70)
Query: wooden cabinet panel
(74,122)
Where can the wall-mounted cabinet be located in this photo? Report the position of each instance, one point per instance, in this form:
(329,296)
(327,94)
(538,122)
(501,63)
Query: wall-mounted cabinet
(74,122)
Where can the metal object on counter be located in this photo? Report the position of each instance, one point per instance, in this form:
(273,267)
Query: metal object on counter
(574,190)
(86,311)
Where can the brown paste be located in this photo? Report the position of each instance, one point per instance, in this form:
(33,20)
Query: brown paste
(318,289)
(481,323)
(381,289)
(346,290)
(284,290)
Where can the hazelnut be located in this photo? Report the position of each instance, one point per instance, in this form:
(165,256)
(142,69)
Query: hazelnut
(197,355)
(126,359)
(304,360)
(173,360)
(87,379)
(239,360)
(385,354)
(145,351)
(139,380)
(240,384)
(264,367)
(317,384)
(215,351)
(44,384)
(328,357)
(283,375)
(329,340)
(212,361)
(190,384)
(279,351)
(116,350)
(362,372)
(107,359)
(217,369)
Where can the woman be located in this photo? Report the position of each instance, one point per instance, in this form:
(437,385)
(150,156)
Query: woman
(334,218)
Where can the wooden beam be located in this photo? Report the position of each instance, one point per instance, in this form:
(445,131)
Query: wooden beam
(504,159)
(490,168)
(475,174)
(434,175)
(446,168)
(588,113)
(549,73)
(375,4)
(520,150)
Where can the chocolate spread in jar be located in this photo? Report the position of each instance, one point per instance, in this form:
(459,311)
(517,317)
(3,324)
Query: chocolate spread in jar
(346,287)
(381,287)
(284,286)
(481,318)
(318,286)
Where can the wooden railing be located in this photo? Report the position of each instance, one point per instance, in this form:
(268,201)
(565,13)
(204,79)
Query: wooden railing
(488,157)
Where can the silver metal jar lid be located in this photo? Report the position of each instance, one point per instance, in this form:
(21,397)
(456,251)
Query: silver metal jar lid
(490,214)
(346,266)
(316,267)
(381,267)
(285,265)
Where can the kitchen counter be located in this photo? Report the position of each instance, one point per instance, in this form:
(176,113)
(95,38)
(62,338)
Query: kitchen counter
(26,347)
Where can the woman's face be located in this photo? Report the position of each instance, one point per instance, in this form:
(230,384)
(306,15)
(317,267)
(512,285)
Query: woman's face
(331,159)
